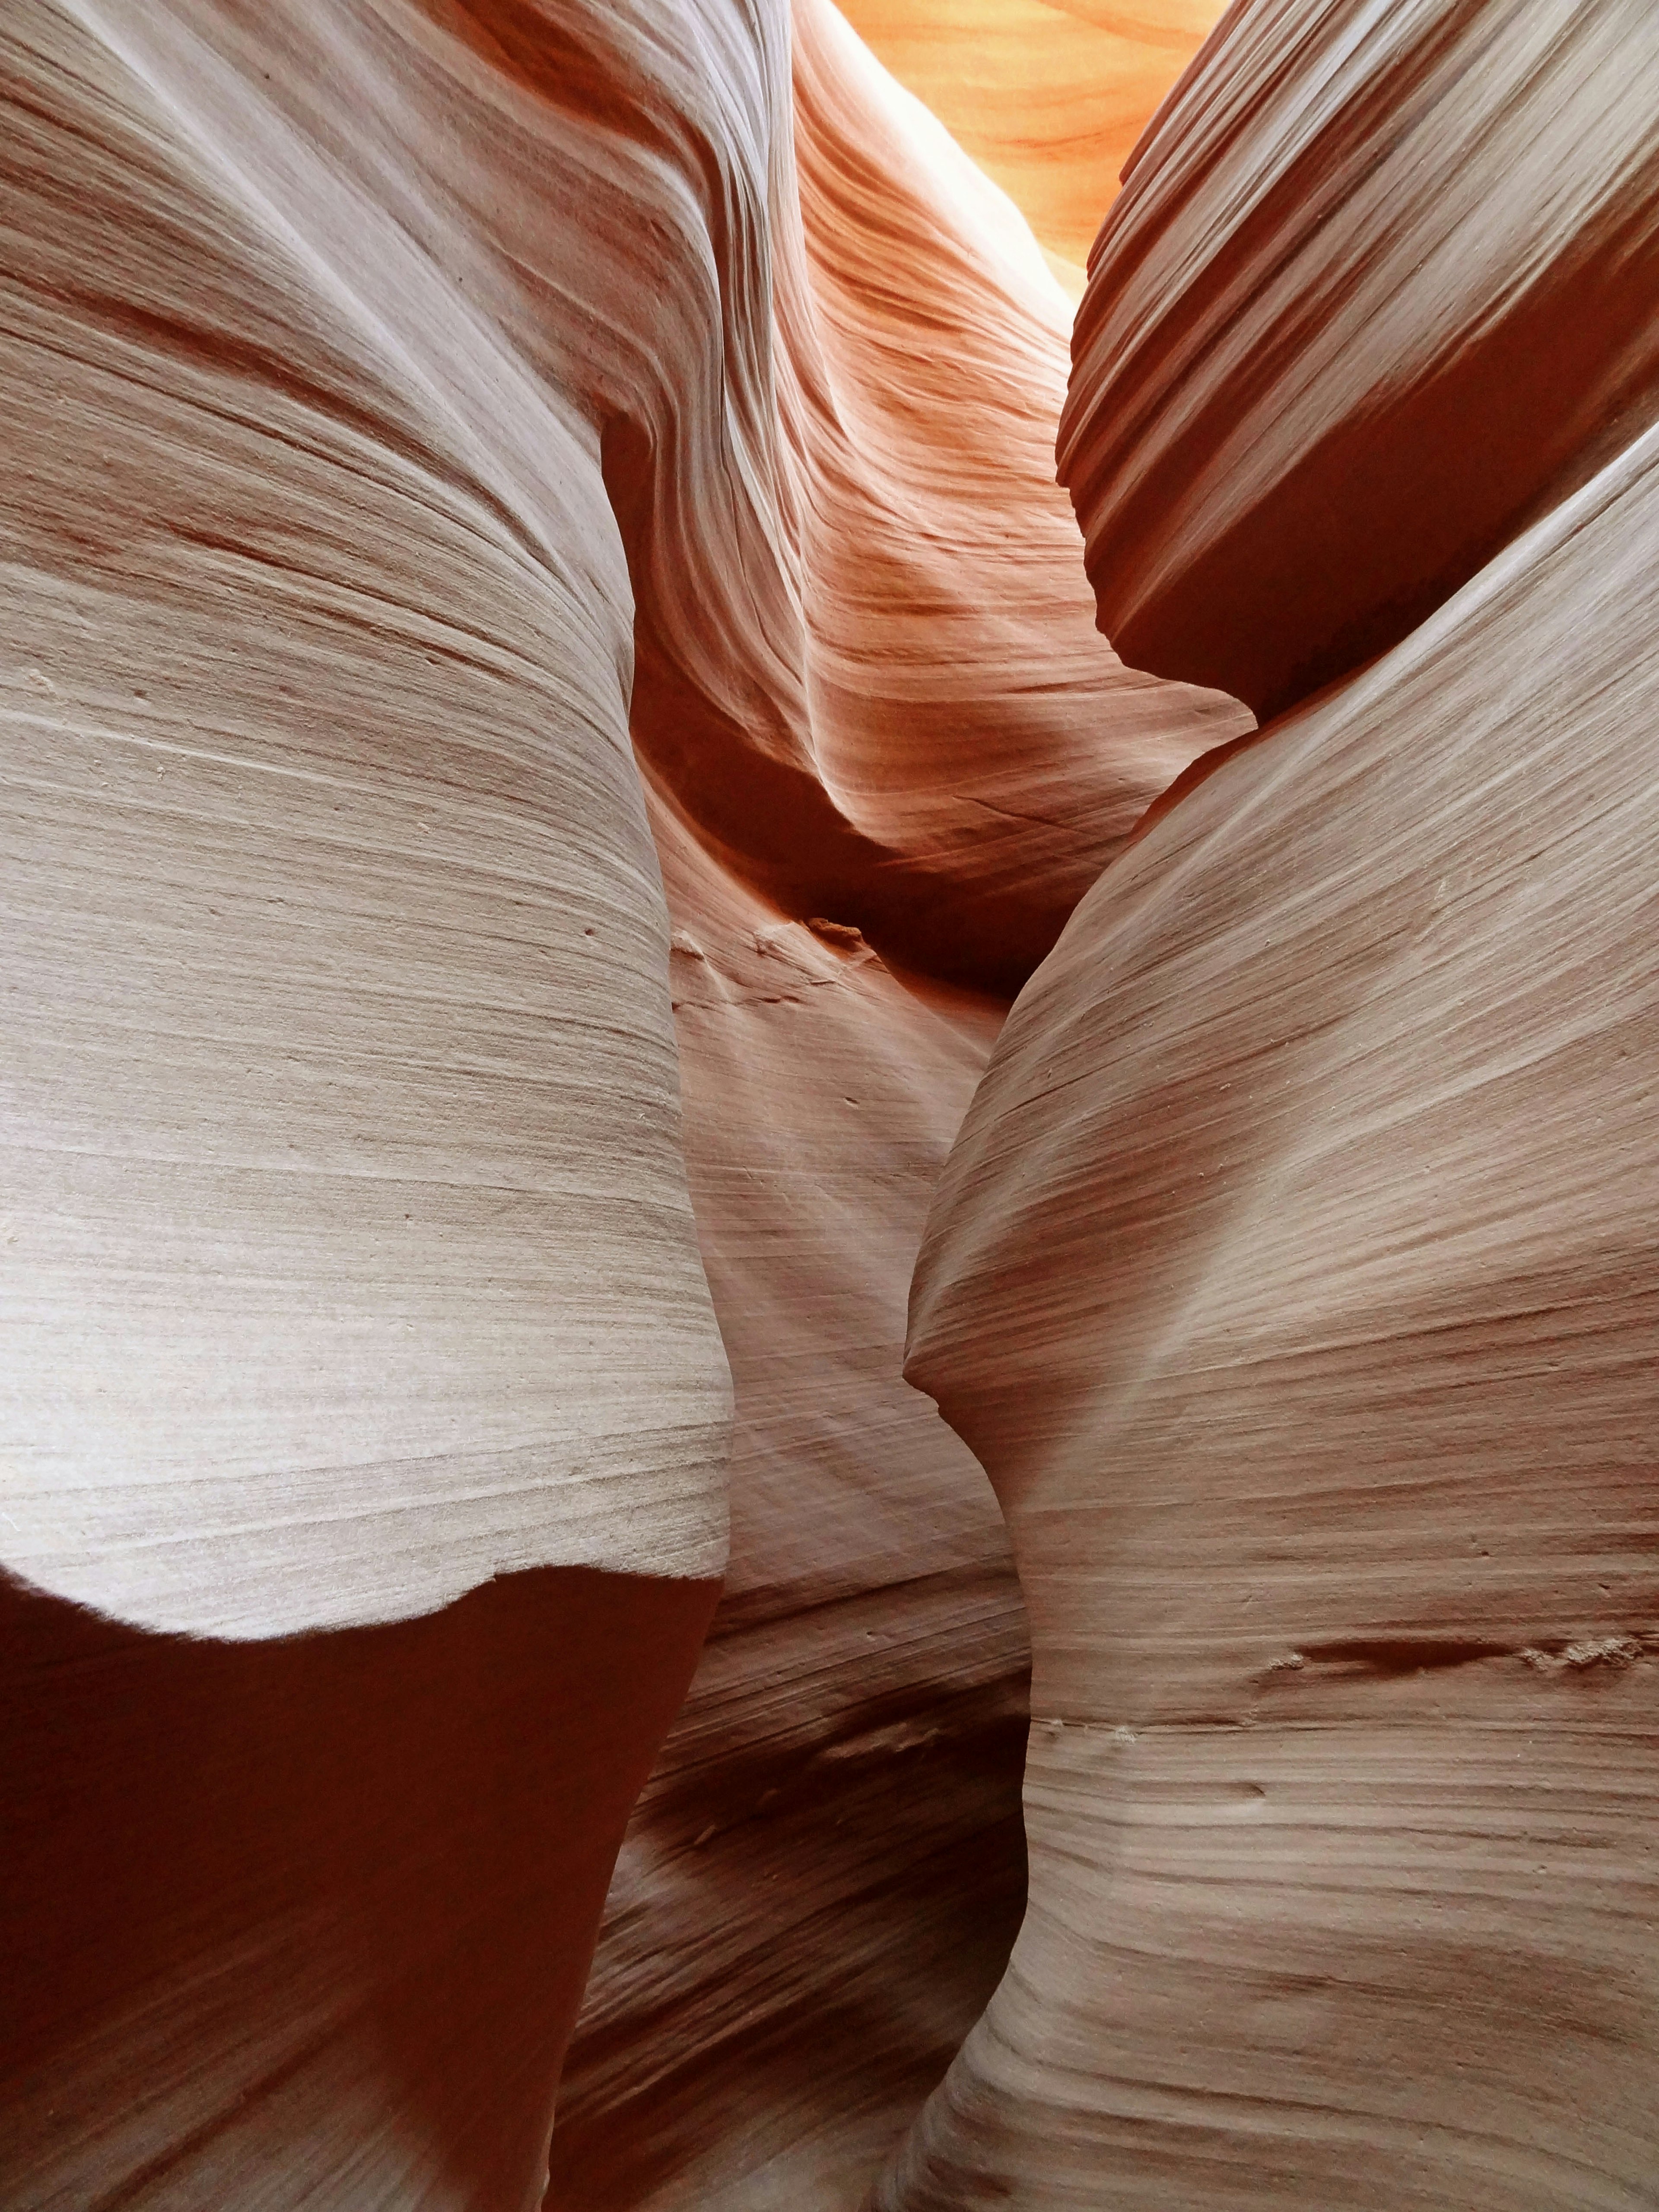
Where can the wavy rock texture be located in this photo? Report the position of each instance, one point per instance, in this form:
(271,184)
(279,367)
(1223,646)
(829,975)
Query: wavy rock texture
(841,1792)
(1293,1279)
(351,1256)
(316,587)
(409,396)
(825,1874)
(916,729)
(1378,292)
(1048,96)
(326,849)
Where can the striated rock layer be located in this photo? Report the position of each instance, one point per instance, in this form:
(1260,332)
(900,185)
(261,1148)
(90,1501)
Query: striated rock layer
(1378,292)
(826,1870)
(1289,1277)
(1292,1280)
(413,404)
(325,850)
(350,1262)
(345,1071)
(551,698)
(912,725)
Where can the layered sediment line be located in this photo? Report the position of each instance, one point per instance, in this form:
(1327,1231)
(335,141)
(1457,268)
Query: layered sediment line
(1376,294)
(432,415)
(826,1870)
(927,739)
(1290,1279)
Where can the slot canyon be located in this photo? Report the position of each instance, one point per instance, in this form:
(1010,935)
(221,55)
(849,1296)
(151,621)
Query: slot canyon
(830,1103)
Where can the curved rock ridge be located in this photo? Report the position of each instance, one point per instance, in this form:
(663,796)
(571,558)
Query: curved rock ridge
(1048,96)
(361,1356)
(1293,1279)
(1378,292)
(826,1869)
(966,716)
(361,322)
(352,1254)
(919,730)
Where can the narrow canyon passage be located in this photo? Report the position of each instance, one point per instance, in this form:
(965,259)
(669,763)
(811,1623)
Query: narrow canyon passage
(828,1105)
(822,1882)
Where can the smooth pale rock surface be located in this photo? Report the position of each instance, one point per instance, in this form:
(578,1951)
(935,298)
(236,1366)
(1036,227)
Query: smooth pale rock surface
(1048,96)
(348,1256)
(1378,291)
(1292,1277)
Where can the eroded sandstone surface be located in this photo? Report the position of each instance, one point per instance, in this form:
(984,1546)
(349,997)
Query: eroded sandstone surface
(553,699)
(1377,293)
(1291,1278)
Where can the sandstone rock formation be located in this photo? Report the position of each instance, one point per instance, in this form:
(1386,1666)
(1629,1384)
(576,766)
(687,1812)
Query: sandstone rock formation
(912,725)
(821,1883)
(349,1256)
(552,698)
(841,1790)
(409,400)
(1378,292)
(326,839)
(1292,1277)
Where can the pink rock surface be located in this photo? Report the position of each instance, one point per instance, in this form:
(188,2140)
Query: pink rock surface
(352,1255)
(1378,291)
(825,1873)
(349,1259)
(360,1357)
(1291,1278)
(910,722)
(551,698)
(841,1793)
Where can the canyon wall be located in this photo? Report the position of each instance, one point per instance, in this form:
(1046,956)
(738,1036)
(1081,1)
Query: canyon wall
(326,845)
(1377,293)
(1290,1276)
(367,1417)
(420,406)
(823,1880)
(553,701)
